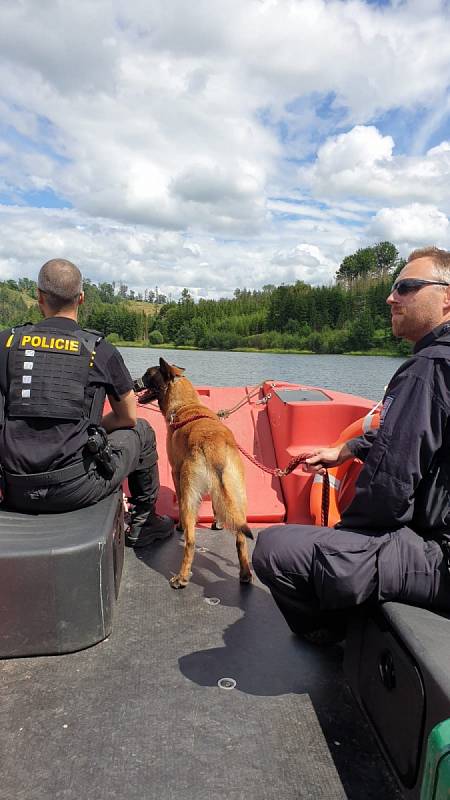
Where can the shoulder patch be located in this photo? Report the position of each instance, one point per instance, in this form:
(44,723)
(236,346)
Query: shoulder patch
(387,402)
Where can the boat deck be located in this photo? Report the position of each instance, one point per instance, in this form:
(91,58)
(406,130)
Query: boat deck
(141,717)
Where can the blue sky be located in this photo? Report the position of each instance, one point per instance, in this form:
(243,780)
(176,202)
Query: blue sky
(221,145)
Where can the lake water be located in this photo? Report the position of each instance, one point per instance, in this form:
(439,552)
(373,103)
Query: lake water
(362,375)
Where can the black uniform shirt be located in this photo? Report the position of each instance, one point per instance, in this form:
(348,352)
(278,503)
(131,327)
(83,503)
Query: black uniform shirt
(38,445)
(406,475)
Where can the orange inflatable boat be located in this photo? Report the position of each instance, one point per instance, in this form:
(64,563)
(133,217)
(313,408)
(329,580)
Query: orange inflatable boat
(274,423)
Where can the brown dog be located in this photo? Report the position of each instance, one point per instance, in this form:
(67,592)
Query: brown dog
(204,459)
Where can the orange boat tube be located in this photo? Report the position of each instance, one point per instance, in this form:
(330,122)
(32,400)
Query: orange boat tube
(274,425)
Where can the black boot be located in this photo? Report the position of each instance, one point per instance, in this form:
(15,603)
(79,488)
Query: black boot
(146,526)
(306,620)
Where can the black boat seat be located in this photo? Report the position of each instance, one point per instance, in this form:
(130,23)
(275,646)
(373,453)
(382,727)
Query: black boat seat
(59,578)
(397,663)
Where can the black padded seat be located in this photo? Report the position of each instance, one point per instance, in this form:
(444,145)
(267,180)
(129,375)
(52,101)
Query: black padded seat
(397,662)
(59,578)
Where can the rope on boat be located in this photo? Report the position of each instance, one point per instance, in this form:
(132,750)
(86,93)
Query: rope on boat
(225,412)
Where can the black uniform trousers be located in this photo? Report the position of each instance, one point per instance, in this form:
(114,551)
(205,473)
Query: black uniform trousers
(133,452)
(317,574)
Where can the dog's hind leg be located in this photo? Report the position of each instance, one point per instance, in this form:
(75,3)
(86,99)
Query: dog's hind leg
(216,525)
(245,573)
(189,501)
(176,483)
(229,499)
(182,579)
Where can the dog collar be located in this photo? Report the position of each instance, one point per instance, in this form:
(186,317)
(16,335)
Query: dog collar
(175,425)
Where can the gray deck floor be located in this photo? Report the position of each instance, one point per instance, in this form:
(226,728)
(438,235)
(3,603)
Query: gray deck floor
(141,717)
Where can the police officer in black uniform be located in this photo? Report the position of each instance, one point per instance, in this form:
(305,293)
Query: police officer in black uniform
(58,451)
(392,542)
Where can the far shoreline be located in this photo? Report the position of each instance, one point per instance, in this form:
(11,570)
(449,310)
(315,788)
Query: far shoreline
(275,351)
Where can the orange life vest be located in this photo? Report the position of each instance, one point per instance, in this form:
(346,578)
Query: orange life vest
(341,479)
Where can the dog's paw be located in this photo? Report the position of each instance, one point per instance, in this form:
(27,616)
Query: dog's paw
(177,582)
(245,577)
(217,526)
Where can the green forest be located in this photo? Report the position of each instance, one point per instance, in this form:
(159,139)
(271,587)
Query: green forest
(349,316)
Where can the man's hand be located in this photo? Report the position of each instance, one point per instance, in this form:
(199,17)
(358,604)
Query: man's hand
(320,460)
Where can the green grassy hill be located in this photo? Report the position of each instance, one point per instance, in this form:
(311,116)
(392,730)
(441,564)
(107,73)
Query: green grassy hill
(139,305)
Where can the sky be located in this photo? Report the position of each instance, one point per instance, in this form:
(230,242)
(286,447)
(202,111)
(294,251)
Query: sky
(220,144)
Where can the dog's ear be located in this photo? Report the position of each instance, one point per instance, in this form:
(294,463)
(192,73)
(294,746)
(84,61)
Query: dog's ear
(169,371)
(165,369)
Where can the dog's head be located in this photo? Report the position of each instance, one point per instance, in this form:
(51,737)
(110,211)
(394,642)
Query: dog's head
(155,381)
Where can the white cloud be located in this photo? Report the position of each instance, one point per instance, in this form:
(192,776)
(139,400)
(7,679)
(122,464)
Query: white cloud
(176,130)
(361,164)
(411,226)
(305,262)
(353,163)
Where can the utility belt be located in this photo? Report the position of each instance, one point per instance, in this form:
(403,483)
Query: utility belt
(41,479)
(99,459)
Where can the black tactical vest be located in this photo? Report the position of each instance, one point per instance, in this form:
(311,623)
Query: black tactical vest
(48,374)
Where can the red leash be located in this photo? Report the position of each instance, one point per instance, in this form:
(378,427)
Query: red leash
(293,463)
(325,499)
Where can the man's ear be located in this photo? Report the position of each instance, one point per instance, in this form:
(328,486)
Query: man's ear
(81,299)
(41,301)
(446,301)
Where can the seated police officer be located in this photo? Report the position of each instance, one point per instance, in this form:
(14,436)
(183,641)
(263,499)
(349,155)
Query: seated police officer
(393,540)
(58,451)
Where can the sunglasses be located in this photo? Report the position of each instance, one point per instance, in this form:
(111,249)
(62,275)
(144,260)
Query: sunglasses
(407,285)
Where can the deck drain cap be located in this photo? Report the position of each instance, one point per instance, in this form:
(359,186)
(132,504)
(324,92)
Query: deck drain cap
(226,683)
(212,601)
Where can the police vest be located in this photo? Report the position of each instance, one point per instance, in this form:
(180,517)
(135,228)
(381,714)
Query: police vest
(48,374)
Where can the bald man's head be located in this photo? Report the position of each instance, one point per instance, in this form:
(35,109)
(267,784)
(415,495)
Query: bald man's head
(61,282)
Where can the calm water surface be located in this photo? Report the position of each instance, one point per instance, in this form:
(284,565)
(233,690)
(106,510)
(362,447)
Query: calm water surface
(363,375)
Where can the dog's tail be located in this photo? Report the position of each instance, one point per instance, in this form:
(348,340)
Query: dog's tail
(229,497)
(246,531)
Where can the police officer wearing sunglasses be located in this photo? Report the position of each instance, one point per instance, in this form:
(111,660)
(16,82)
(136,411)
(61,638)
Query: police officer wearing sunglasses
(59,451)
(393,540)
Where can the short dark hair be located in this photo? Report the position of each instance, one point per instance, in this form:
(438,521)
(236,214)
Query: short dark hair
(61,281)
(440,259)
